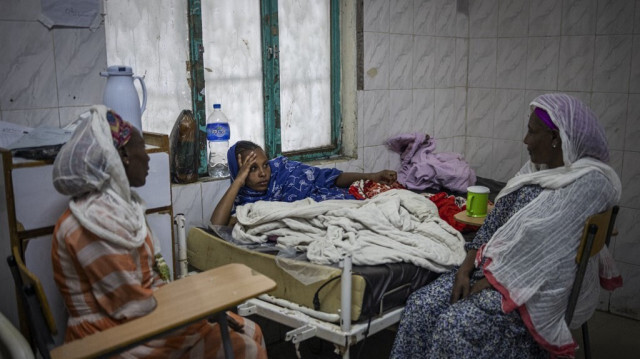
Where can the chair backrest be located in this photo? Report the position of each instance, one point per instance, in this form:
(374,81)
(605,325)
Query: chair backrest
(34,301)
(595,235)
(603,223)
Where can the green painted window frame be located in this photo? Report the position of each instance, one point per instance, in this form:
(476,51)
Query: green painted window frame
(271,84)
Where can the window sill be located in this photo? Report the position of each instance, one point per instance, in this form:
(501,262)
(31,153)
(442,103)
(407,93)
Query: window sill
(204,179)
(318,163)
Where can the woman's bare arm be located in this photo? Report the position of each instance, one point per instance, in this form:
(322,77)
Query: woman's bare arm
(461,287)
(222,213)
(480,285)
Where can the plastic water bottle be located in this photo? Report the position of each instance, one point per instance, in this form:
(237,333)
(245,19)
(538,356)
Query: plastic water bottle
(218,143)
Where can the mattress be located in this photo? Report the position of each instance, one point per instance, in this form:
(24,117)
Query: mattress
(375,289)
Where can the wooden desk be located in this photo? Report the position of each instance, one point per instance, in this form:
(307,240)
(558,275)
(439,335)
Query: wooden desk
(179,303)
(474,221)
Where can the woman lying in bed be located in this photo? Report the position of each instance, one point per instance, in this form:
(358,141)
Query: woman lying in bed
(255,178)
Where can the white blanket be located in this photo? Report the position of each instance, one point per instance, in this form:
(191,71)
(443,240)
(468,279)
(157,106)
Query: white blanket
(394,226)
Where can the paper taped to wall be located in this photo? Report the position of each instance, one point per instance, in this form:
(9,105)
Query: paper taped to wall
(71,13)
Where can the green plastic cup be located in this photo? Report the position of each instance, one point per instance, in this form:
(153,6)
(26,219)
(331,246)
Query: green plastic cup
(477,200)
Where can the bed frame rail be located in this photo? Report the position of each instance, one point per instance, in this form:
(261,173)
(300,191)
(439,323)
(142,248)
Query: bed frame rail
(307,323)
(306,327)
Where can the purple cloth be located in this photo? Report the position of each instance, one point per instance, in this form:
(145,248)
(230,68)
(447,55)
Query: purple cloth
(422,169)
(544,116)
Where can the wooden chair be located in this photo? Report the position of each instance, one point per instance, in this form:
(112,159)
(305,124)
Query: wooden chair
(204,295)
(596,234)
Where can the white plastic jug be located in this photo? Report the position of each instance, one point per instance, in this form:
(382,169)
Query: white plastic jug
(121,96)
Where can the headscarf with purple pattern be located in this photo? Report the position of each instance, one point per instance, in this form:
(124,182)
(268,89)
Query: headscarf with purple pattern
(580,132)
(530,259)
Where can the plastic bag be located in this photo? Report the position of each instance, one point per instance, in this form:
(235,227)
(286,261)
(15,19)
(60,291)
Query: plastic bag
(184,149)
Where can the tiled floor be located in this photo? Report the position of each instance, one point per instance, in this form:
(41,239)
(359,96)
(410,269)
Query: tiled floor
(612,337)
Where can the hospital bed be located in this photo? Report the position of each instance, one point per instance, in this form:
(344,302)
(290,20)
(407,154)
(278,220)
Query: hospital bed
(349,304)
(345,305)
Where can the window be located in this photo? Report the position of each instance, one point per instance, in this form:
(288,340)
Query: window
(274,66)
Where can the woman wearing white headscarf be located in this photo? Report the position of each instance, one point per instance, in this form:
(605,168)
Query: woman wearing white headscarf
(105,261)
(509,297)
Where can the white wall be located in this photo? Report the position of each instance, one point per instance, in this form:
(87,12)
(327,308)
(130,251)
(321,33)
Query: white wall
(462,71)
(415,55)
(47,78)
(465,72)
(506,53)
(153,38)
(590,49)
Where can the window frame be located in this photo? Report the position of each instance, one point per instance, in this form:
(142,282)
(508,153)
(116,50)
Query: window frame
(271,84)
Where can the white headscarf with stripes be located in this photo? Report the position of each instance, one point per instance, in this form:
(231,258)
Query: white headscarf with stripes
(531,258)
(89,169)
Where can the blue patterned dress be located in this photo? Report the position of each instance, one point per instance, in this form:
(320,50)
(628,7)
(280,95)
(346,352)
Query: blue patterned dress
(292,181)
(474,327)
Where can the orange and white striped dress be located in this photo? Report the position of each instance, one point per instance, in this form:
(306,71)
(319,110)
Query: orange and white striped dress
(104,285)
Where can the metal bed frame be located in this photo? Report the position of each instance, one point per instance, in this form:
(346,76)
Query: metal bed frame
(308,323)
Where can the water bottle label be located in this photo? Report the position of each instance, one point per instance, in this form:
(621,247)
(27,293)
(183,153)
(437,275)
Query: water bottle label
(218,132)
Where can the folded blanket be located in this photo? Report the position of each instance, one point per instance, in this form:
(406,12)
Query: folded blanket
(422,168)
(394,226)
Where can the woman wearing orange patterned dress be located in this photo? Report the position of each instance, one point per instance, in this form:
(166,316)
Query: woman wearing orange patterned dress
(106,263)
